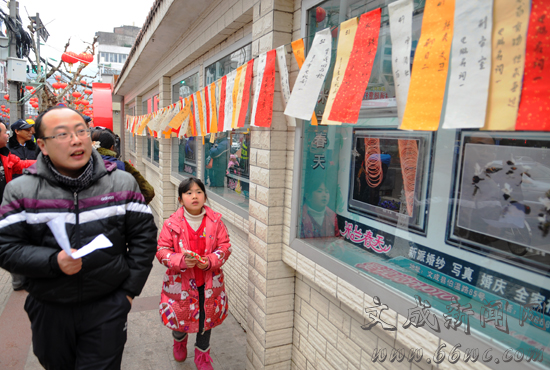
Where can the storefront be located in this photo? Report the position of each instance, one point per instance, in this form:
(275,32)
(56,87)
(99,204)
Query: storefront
(354,245)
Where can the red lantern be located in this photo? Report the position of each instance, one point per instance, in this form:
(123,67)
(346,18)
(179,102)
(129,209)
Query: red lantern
(83,82)
(85,58)
(88,91)
(64,85)
(77,102)
(320,14)
(7,97)
(28,87)
(2,106)
(55,85)
(58,77)
(84,102)
(69,57)
(76,94)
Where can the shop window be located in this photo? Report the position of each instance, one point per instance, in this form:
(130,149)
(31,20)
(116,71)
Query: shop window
(185,87)
(227,64)
(227,166)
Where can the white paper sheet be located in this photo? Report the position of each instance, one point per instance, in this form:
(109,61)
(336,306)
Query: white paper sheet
(259,77)
(57,226)
(228,113)
(311,77)
(470,65)
(285,84)
(401,37)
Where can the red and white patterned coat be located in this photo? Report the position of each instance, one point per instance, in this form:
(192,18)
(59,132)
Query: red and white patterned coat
(179,303)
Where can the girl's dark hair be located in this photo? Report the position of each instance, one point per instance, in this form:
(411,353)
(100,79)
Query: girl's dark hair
(186,184)
(106,139)
(38,123)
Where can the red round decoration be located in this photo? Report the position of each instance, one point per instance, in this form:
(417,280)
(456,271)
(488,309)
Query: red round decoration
(84,102)
(76,94)
(69,57)
(88,91)
(320,14)
(7,97)
(28,87)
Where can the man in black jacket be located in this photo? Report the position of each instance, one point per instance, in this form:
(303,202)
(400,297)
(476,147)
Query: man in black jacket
(21,143)
(78,308)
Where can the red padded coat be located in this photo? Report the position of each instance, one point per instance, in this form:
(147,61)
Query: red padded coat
(13,164)
(179,302)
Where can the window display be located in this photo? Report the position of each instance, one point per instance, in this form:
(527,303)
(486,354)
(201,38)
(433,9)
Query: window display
(185,150)
(388,179)
(502,194)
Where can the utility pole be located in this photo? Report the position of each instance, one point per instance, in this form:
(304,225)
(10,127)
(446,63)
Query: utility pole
(14,86)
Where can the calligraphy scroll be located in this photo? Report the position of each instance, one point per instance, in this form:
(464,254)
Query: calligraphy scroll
(199,114)
(283,79)
(311,77)
(401,38)
(213,108)
(298,49)
(259,77)
(237,94)
(221,103)
(245,92)
(228,120)
(206,104)
(510,20)
(347,103)
(470,65)
(194,116)
(143,124)
(262,113)
(348,29)
(534,108)
(430,67)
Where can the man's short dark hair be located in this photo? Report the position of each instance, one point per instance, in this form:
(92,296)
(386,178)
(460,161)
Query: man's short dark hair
(38,123)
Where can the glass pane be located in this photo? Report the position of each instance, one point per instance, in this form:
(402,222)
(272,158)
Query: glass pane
(185,152)
(227,64)
(156,148)
(185,87)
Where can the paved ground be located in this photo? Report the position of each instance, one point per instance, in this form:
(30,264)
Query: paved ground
(149,344)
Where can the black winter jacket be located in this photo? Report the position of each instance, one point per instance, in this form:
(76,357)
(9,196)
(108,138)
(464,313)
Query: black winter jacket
(112,205)
(24,152)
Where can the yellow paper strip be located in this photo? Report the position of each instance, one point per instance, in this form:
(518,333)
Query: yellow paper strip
(234,96)
(213,109)
(348,29)
(142,125)
(430,67)
(202,118)
(507,62)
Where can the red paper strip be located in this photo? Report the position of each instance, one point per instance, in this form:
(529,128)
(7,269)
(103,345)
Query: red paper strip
(207,106)
(347,103)
(246,93)
(534,107)
(221,113)
(192,117)
(264,110)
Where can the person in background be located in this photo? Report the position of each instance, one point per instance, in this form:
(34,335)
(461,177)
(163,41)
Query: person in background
(106,147)
(10,165)
(21,142)
(193,245)
(318,220)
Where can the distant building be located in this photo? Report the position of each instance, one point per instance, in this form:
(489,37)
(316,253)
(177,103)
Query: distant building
(113,50)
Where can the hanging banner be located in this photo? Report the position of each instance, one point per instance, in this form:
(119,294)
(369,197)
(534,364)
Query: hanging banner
(262,108)
(194,116)
(221,104)
(470,65)
(298,49)
(510,19)
(212,108)
(142,125)
(534,108)
(311,77)
(245,92)
(206,103)
(259,76)
(348,29)
(347,103)
(425,100)
(236,97)
(228,120)
(283,79)
(401,37)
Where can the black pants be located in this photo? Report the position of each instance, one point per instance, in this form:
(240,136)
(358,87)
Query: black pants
(80,336)
(203,338)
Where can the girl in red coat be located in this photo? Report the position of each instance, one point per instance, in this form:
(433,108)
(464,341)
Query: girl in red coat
(193,244)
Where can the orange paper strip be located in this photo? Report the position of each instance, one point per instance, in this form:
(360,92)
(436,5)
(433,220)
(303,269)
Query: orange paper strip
(534,108)
(264,110)
(221,112)
(430,67)
(207,107)
(213,111)
(193,118)
(347,103)
(298,51)
(246,93)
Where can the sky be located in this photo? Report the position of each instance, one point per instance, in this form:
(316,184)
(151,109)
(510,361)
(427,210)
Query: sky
(80,21)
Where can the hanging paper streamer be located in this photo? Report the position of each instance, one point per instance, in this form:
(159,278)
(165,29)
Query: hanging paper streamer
(430,67)
(245,92)
(470,65)
(510,19)
(348,29)
(534,108)
(213,110)
(206,103)
(228,121)
(401,38)
(408,156)
(311,77)
(262,112)
(142,125)
(259,77)
(237,94)
(283,79)
(298,49)
(221,104)
(347,103)
(194,117)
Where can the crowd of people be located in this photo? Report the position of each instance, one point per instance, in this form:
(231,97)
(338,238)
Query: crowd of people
(63,186)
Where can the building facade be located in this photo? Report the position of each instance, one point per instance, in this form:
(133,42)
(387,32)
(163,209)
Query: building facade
(329,270)
(113,49)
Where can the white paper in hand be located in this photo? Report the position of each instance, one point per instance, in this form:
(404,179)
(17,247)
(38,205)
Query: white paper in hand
(57,226)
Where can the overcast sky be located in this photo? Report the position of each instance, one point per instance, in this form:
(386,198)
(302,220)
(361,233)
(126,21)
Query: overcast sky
(80,20)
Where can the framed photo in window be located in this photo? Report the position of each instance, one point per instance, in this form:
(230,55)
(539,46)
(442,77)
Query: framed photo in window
(389,177)
(502,196)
